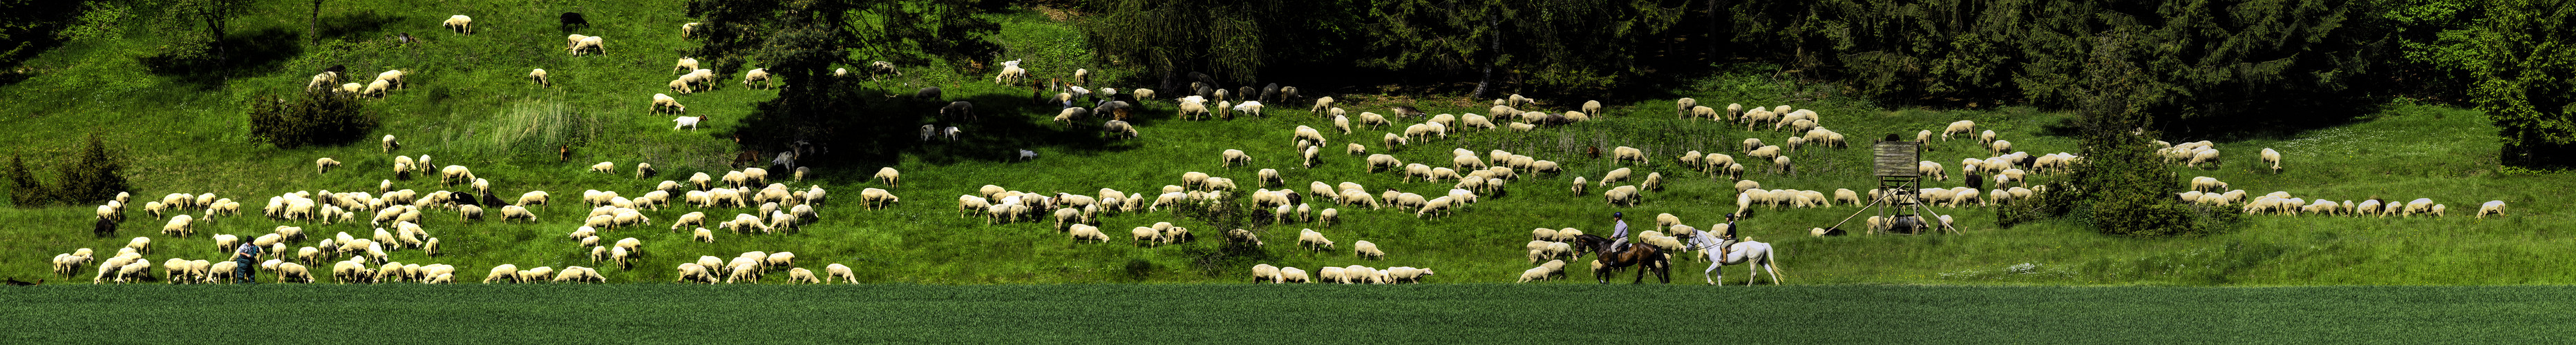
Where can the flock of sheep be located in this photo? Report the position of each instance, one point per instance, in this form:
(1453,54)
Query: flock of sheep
(765,208)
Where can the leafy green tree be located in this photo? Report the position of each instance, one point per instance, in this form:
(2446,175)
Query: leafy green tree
(194,30)
(2525,76)
(1226,39)
(799,42)
(2122,186)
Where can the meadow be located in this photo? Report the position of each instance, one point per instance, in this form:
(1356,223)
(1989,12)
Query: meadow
(183,131)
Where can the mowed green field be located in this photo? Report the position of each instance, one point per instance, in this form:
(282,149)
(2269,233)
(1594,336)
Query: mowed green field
(469,106)
(1189,313)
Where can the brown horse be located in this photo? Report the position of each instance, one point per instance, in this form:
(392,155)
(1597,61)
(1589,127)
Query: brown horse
(1643,256)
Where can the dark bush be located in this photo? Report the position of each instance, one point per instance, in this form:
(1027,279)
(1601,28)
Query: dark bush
(24,190)
(93,175)
(314,118)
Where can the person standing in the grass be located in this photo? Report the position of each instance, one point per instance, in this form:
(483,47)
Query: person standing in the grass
(244,259)
(1618,232)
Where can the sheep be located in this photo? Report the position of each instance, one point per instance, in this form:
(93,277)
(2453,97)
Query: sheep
(289,271)
(1618,175)
(594,43)
(180,226)
(2001,146)
(1373,120)
(1234,157)
(460,23)
(664,103)
(878,198)
(394,79)
(2204,155)
(1366,250)
(759,75)
(685,64)
(2274,158)
(1960,127)
(1310,239)
(1081,232)
(1624,154)
(2490,207)
(1265,272)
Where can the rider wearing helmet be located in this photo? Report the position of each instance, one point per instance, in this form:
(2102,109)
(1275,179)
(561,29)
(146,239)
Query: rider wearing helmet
(1618,232)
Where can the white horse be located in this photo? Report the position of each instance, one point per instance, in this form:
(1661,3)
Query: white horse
(1729,252)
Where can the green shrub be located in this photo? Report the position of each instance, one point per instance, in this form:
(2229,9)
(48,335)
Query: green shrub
(314,118)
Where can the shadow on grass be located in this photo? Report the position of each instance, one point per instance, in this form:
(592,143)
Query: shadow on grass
(354,26)
(241,54)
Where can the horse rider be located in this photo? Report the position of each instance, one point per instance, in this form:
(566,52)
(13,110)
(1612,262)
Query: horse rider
(1618,232)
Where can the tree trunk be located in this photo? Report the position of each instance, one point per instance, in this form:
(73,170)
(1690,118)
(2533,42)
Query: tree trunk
(1493,52)
(313,29)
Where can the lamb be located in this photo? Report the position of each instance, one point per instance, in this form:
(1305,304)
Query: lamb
(460,23)
(878,198)
(1366,250)
(1961,127)
(324,165)
(2274,158)
(1321,104)
(376,88)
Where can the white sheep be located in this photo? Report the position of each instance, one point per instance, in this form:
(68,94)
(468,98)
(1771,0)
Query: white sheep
(1961,127)
(593,43)
(1310,239)
(1366,250)
(2274,158)
(889,176)
(664,103)
(460,23)
(2496,207)
(759,75)
(539,76)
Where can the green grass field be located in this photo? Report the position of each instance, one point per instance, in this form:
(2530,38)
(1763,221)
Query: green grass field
(185,132)
(1170,313)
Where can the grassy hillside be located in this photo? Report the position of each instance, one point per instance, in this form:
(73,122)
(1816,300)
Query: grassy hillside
(469,105)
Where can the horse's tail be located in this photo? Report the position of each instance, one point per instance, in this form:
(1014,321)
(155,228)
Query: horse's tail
(1774,265)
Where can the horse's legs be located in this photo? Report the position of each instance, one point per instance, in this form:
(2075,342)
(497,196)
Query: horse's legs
(1712,267)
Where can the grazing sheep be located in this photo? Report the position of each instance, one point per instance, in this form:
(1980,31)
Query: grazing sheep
(1961,127)
(2496,207)
(877,198)
(539,76)
(592,43)
(324,165)
(889,176)
(1366,250)
(460,23)
(759,75)
(1310,239)
(1234,157)
(1619,175)
(1624,154)
(664,103)
(2274,158)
